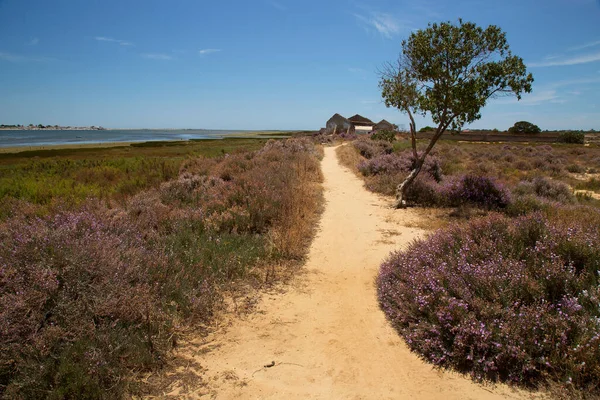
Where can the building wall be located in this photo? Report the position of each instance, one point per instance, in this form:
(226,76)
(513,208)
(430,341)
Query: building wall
(338,126)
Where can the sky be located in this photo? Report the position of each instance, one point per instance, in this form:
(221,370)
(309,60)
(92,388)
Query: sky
(271,64)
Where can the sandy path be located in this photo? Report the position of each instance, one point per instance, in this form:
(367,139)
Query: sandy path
(326,334)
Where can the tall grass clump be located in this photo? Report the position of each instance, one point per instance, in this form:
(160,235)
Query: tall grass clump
(90,295)
(512,300)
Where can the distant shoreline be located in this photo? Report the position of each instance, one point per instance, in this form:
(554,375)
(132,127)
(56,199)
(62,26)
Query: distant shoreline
(52,128)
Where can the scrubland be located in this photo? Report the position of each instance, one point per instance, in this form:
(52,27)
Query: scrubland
(510,290)
(105,257)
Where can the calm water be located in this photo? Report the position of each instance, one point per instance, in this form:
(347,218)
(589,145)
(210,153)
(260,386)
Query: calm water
(46,138)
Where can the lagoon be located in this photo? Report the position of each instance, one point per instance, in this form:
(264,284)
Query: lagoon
(29,138)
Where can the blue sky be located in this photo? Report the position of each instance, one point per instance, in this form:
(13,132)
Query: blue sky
(270,64)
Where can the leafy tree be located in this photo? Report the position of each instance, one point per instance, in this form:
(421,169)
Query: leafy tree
(427,129)
(450,71)
(524,127)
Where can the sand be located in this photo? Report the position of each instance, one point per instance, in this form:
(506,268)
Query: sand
(325,337)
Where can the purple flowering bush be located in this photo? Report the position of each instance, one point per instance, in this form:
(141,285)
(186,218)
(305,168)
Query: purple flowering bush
(399,162)
(512,300)
(385,164)
(475,190)
(372,148)
(70,285)
(90,294)
(425,191)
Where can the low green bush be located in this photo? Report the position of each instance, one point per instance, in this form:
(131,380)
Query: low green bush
(572,137)
(388,136)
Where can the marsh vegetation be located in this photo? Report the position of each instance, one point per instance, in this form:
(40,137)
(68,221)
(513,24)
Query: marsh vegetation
(95,283)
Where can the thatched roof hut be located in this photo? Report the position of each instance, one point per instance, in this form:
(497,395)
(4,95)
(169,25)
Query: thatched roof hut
(359,120)
(385,125)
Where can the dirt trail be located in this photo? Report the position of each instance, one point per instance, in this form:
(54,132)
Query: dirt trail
(326,334)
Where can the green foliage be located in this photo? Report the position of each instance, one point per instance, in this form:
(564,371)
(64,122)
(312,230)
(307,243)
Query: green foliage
(451,71)
(427,129)
(388,136)
(524,127)
(572,137)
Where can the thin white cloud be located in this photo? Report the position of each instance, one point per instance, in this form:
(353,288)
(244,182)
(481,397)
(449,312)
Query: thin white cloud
(535,99)
(585,46)
(575,81)
(553,57)
(33,42)
(575,60)
(19,58)
(111,40)
(384,23)
(157,56)
(204,52)
(557,92)
(544,96)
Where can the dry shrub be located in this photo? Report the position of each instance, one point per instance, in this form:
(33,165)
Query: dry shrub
(385,184)
(547,188)
(523,165)
(349,157)
(299,208)
(485,168)
(198,165)
(575,169)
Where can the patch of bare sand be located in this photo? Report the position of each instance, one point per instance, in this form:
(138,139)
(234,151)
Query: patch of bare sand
(325,337)
(589,193)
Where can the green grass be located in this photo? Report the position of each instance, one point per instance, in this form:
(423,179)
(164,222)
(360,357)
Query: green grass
(44,177)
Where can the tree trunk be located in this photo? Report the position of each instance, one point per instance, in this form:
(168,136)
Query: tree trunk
(403,187)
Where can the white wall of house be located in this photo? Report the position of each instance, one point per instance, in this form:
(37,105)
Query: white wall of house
(364,129)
